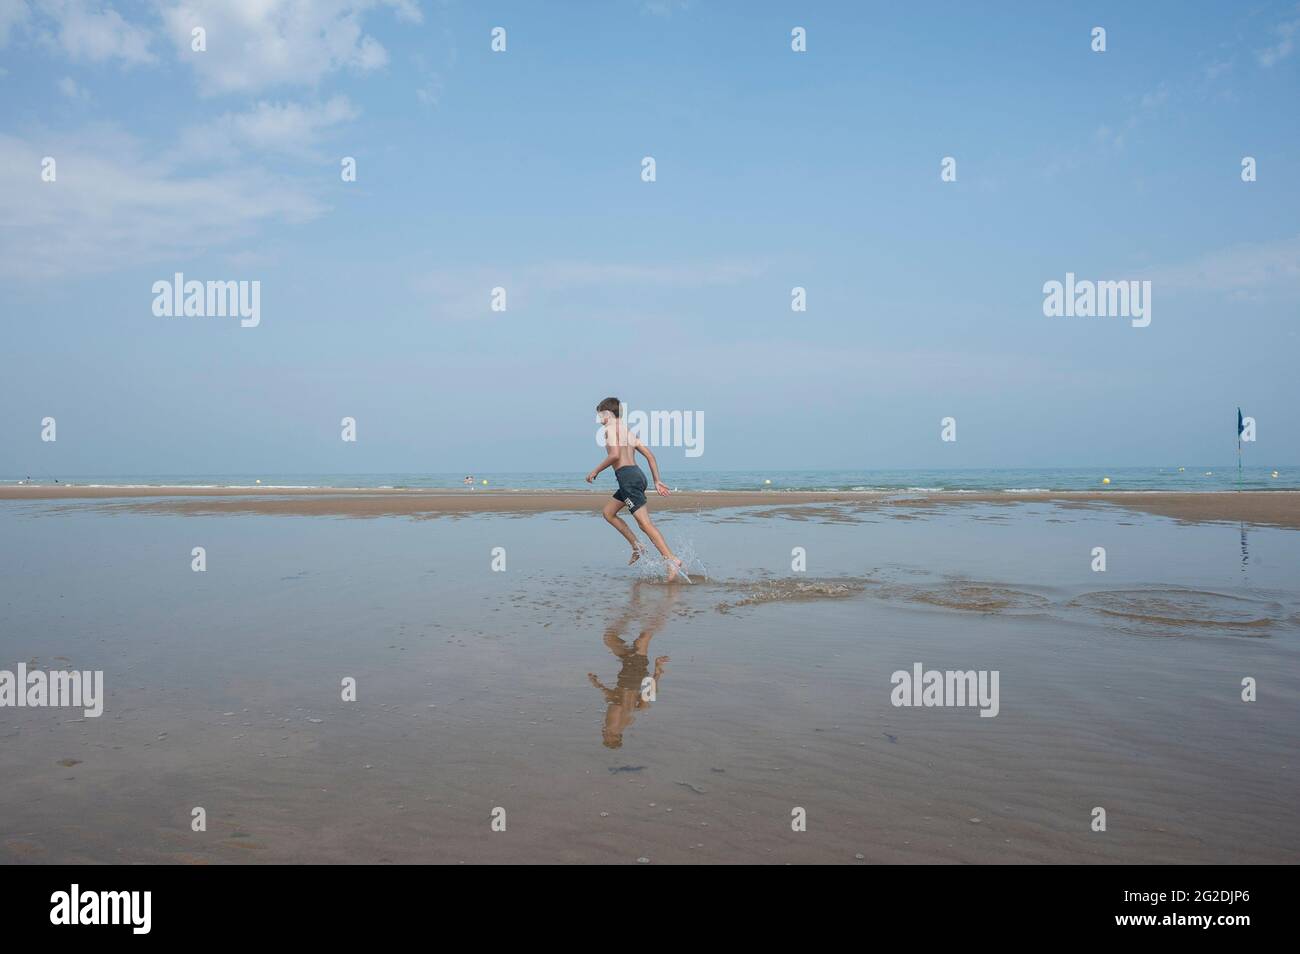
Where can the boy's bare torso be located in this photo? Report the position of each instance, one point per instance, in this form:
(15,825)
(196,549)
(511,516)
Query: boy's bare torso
(621,444)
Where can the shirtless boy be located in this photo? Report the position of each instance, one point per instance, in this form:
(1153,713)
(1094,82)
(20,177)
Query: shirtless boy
(622,447)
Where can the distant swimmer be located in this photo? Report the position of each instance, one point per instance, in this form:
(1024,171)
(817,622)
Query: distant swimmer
(469,482)
(622,447)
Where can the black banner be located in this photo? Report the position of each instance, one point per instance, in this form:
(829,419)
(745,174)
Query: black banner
(219,904)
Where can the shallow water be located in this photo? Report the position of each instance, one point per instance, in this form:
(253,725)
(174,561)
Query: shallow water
(479,690)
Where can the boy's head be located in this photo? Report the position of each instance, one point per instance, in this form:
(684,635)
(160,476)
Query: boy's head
(611,406)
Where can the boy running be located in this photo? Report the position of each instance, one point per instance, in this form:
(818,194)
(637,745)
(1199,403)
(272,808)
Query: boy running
(622,446)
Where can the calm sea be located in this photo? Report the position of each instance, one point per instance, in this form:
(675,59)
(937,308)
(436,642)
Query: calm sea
(1184,478)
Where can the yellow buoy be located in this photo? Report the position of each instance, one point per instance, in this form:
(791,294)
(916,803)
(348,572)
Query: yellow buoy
(485,483)
(1105,480)
(259,481)
(767,481)
(1274,473)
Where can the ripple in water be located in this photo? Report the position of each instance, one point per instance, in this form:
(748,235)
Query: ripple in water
(1173,610)
(788,590)
(975,597)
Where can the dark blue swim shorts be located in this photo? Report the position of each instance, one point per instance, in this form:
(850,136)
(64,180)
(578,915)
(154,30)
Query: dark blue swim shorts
(631,487)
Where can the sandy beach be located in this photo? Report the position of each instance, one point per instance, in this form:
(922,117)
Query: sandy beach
(516,689)
(1260,508)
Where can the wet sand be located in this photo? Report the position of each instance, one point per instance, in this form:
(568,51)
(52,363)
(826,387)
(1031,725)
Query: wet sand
(1260,508)
(480,690)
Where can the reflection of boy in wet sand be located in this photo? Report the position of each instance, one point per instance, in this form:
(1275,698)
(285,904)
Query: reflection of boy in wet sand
(625,700)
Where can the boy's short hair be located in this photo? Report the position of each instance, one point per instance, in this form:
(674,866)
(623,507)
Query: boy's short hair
(610,404)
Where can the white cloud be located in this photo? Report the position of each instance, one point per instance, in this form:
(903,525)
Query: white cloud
(13,13)
(69,88)
(1217,69)
(464,292)
(430,94)
(285,128)
(429,91)
(1109,138)
(408,10)
(1248,267)
(559,276)
(1157,97)
(1279,51)
(88,31)
(258,44)
(115,204)
(663,8)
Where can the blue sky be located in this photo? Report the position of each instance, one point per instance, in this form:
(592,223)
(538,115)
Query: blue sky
(522,169)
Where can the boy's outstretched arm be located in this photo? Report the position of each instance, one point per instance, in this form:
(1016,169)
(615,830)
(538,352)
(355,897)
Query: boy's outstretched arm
(654,468)
(611,454)
(609,461)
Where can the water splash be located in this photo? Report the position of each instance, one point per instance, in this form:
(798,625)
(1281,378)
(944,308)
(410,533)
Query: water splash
(652,566)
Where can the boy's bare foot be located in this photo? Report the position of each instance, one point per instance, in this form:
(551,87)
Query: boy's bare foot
(674,565)
(636,555)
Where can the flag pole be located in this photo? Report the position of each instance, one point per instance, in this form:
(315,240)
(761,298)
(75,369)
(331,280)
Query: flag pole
(1239,428)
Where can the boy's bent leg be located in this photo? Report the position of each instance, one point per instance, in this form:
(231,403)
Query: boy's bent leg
(612,507)
(642,515)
